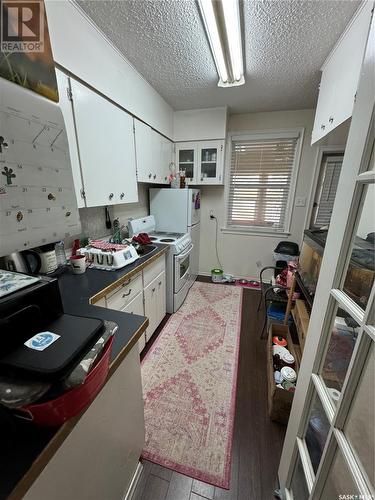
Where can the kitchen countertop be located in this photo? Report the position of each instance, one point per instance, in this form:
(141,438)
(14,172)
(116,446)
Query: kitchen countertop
(30,448)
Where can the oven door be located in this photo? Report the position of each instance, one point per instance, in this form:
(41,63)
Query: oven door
(182,269)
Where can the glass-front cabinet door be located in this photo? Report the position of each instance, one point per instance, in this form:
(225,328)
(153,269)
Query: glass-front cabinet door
(210,162)
(186,160)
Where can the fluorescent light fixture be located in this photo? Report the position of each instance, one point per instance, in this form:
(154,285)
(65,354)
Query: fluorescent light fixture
(222,22)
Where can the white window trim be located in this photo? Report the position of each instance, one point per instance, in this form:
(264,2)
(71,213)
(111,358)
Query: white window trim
(321,151)
(284,133)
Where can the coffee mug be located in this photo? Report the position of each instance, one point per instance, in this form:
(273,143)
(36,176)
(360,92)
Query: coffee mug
(78,263)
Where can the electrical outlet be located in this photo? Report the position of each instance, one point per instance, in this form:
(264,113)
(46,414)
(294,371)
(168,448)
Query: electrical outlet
(300,201)
(212,215)
(258,263)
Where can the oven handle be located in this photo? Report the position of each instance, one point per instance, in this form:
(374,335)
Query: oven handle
(183,255)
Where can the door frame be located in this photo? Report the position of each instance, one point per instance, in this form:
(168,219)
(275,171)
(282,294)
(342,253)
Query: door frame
(335,262)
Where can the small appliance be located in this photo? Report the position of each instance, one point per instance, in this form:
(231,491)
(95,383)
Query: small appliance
(27,261)
(109,260)
(178,259)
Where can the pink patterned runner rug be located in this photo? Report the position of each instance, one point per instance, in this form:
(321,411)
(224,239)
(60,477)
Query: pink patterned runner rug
(189,385)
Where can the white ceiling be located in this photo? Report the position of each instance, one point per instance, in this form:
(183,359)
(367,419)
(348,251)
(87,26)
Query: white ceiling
(286,42)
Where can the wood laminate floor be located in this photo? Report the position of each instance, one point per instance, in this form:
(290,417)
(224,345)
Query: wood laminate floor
(257,441)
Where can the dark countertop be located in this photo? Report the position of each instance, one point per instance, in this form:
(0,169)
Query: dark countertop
(25,450)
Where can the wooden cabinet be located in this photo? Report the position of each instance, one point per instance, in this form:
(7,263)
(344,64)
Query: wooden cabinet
(155,303)
(340,75)
(100,456)
(202,161)
(154,154)
(106,147)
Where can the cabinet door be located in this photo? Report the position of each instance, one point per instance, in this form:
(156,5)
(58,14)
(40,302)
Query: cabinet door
(186,160)
(106,145)
(160,298)
(136,307)
(150,294)
(167,158)
(144,151)
(156,159)
(210,162)
(63,83)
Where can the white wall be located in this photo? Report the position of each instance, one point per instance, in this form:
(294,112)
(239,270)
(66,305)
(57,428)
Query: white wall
(81,49)
(367,219)
(245,255)
(200,124)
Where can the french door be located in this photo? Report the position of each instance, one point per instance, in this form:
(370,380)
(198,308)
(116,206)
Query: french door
(328,451)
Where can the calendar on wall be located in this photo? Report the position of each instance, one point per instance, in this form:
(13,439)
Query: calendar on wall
(37,198)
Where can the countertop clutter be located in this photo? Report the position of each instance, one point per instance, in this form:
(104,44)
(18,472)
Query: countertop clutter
(26,450)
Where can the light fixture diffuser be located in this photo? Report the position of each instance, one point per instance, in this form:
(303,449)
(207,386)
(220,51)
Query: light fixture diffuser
(223,27)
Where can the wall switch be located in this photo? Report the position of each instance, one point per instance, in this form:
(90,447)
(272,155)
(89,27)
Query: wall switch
(300,201)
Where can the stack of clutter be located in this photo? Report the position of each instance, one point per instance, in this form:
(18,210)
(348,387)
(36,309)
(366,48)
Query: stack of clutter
(283,365)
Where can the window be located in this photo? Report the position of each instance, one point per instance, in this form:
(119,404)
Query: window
(262,175)
(326,190)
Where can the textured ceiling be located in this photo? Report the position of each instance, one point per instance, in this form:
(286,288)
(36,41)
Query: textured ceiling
(285,42)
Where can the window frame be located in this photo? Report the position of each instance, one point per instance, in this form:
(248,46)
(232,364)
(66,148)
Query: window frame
(283,133)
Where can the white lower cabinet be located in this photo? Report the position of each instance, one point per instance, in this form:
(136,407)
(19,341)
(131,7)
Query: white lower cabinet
(155,299)
(136,307)
(143,294)
(100,456)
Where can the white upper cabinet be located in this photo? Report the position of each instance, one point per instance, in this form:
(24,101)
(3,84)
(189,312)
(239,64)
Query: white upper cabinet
(340,75)
(105,139)
(210,162)
(202,161)
(67,111)
(154,154)
(187,160)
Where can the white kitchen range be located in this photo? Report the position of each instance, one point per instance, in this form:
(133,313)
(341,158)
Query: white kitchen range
(178,260)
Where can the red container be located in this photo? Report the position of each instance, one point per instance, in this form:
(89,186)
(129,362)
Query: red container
(55,412)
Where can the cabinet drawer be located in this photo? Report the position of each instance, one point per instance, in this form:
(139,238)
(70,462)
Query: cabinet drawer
(153,270)
(125,293)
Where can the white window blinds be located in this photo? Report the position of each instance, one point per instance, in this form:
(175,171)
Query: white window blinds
(261,172)
(332,170)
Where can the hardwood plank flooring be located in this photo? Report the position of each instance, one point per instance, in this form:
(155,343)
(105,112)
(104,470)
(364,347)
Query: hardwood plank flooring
(257,441)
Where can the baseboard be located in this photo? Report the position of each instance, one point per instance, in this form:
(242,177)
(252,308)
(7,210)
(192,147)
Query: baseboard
(203,273)
(137,474)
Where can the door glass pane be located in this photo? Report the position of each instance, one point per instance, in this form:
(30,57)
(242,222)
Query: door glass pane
(186,156)
(208,162)
(298,485)
(340,349)
(360,424)
(188,168)
(339,481)
(184,266)
(360,275)
(317,431)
